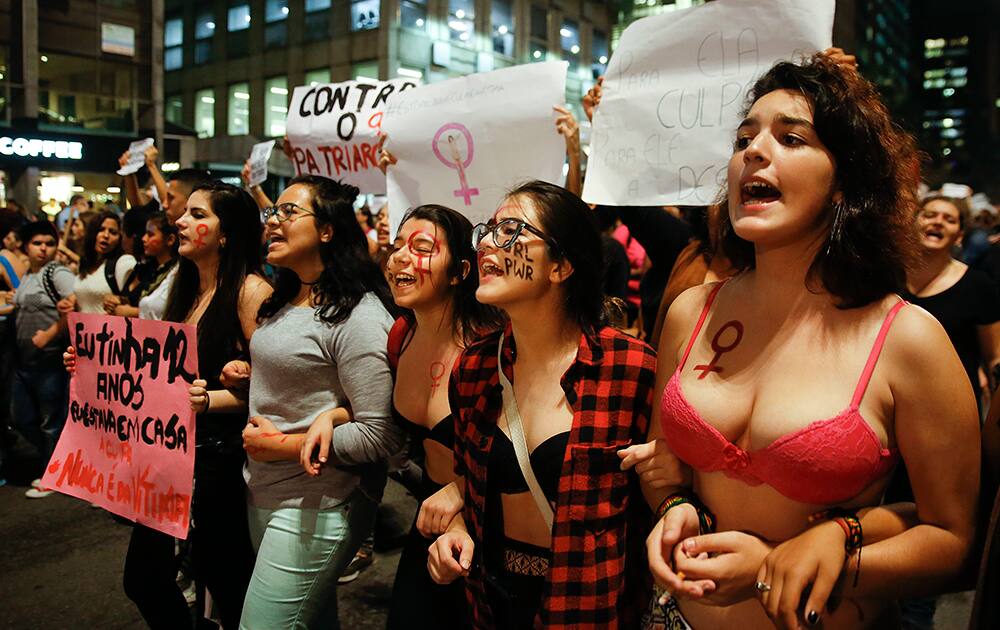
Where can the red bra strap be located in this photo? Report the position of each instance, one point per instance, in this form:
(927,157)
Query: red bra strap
(866,376)
(701,322)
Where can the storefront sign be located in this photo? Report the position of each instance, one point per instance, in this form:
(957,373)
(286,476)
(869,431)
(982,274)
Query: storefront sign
(117,39)
(35,147)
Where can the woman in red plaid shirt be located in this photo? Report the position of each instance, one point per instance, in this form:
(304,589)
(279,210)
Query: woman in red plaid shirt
(582,391)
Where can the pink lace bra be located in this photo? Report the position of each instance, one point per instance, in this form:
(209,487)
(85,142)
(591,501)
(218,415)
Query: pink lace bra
(827,462)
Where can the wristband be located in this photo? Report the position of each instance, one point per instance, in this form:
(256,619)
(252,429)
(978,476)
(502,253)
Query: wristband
(706,520)
(848,521)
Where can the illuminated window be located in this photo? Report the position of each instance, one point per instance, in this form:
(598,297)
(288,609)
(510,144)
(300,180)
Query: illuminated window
(239,17)
(275,106)
(238,110)
(461,20)
(319,76)
(364,14)
(503,27)
(173,38)
(569,38)
(598,53)
(204,113)
(413,14)
(173,109)
(204,29)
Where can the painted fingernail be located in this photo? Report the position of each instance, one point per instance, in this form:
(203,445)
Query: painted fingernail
(812,618)
(680,575)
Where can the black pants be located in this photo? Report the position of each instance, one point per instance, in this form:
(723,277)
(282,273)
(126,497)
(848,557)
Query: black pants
(417,601)
(220,547)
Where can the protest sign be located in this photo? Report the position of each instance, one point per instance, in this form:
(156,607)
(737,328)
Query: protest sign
(136,156)
(259,155)
(333,130)
(129,440)
(464,142)
(675,88)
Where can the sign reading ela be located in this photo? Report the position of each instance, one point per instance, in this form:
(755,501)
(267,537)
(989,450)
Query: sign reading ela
(129,440)
(674,90)
(333,130)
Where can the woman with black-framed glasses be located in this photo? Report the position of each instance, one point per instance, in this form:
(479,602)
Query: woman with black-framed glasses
(551,532)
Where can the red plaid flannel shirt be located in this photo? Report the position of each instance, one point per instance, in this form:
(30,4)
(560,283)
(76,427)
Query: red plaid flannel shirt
(598,576)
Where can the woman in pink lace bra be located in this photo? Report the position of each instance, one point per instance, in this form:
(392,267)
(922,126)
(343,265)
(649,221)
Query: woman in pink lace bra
(793,389)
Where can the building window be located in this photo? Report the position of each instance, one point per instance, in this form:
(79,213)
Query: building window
(275,106)
(539,23)
(599,53)
(317,24)
(569,37)
(276,10)
(317,5)
(204,30)
(461,20)
(238,110)
(173,109)
(204,113)
(503,27)
(239,17)
(276,24)
(364,14)
(413,13)
(366,71)
(319,76)
(173,39)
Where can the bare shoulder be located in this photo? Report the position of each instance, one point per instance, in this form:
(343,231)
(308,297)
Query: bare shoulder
(255,290)
(919,355)
(682,317)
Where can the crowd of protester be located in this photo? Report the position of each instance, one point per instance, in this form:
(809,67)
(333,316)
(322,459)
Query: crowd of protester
(765,412)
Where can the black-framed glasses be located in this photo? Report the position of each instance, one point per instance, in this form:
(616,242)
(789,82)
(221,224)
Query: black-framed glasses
(284,212)
(506,231)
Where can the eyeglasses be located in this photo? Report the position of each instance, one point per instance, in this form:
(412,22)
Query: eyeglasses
(284,212)
(505,232)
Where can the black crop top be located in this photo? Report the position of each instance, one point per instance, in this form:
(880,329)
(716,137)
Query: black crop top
(443,432)
(546,462)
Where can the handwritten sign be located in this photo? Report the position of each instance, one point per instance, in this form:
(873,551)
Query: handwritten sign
(128,444)
(333,130)
(675,88)
(259,155)
(136,156)
(464,142)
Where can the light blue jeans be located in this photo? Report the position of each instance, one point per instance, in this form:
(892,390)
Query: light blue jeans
(300,555)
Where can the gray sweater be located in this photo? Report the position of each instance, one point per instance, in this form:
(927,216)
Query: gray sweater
(302,367)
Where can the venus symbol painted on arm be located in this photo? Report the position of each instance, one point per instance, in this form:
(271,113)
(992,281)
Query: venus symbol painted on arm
(454,159)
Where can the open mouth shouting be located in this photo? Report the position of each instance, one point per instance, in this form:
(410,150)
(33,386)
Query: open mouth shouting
(403,280)
(757,193)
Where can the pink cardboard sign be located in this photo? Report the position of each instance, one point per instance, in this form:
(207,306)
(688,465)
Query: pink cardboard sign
(128,443)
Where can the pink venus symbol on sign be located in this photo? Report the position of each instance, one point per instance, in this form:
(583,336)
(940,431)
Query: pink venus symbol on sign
(451,133)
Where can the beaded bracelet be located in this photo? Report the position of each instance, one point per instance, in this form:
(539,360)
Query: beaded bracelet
(849,522)
(706,520)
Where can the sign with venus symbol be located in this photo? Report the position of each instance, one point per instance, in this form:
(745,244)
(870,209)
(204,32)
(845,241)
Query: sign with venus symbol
(455,138)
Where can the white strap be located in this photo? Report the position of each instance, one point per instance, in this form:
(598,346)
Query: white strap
(520,443)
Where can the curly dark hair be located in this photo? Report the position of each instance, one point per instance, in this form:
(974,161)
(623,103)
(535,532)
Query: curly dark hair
(470,318)
(90,260)
(348,269)
(871,241)
(568,221)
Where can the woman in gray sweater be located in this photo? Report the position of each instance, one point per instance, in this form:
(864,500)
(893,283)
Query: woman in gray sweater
(319,350)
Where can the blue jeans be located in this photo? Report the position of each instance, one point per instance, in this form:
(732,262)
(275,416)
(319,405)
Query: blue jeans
(300,555)
(38,401)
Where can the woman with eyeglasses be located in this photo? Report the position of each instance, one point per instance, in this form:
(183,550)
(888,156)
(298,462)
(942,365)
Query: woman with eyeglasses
(552,530)
(320,348)
(432,275)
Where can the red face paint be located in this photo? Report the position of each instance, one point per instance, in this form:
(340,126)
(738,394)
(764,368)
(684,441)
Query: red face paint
(720,349)
(202,230)
(422,246)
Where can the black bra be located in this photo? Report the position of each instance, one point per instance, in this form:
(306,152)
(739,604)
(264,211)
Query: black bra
(443,432)
(546,462)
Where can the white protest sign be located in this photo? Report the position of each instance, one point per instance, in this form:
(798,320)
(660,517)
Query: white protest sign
(675,88)
(136,156)
(333,130)
(259,155)
(464,142)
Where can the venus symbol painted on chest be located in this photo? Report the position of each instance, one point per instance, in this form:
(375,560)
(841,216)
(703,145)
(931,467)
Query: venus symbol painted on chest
(720,349)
